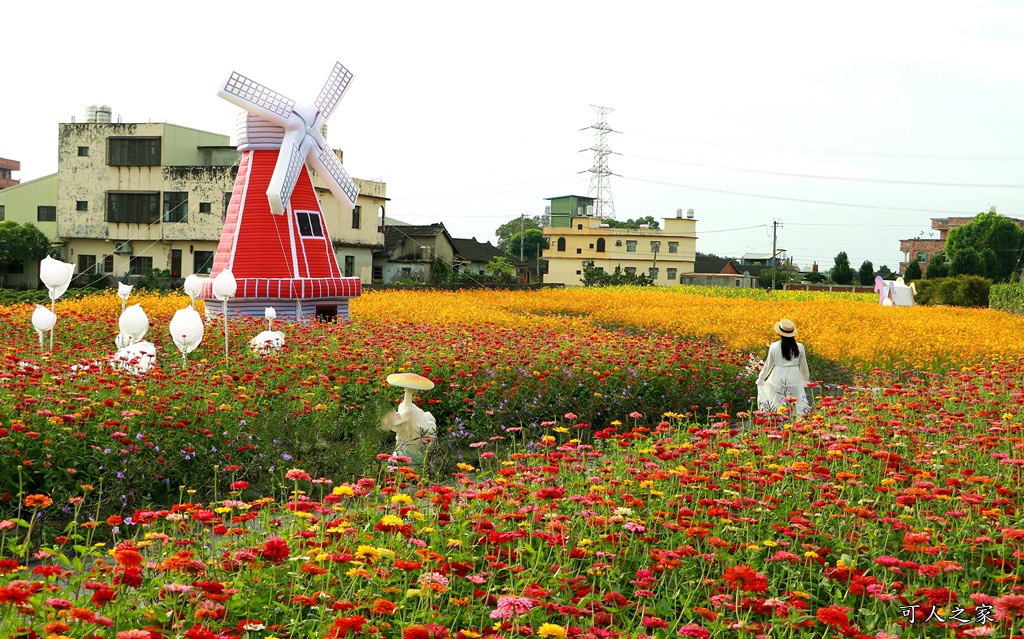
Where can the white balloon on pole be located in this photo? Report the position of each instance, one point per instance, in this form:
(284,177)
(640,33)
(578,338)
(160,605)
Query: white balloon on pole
(134,323)
(224,286)
(194,286)
(124,291)
(56,275)
(43,320)
(186,330)
(271,314)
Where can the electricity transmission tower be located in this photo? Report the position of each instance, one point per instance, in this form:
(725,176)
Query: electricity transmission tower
(600,175)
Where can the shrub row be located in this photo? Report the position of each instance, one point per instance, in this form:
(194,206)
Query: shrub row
(1007,297)
(962,290)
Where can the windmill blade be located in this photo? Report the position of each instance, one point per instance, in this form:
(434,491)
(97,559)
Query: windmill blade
(286,171)
(253,96)
(333,90)
(335,176)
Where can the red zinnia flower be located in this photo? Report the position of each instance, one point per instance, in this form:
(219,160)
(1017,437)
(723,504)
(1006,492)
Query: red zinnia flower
(834,616)
(1009,606)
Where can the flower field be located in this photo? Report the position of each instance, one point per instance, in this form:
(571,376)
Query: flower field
(597,473)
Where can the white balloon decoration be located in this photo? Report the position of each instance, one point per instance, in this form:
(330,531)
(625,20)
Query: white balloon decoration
(124,291)
(267,341)
(194,287)
(136,358)
(224,288)
(271,314)
(186,330)
(56,275)
(43,320)
(134,325)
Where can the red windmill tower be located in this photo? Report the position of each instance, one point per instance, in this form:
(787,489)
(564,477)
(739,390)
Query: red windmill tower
(275,240)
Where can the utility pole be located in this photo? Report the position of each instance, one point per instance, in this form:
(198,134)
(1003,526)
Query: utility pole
(522,234)
(538,261)
(775,236)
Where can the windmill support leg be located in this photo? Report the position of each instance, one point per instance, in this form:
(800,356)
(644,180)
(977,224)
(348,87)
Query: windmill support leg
(53,304)
(224,308)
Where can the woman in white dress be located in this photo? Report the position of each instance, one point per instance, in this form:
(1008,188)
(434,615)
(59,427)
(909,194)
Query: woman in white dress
(784,373)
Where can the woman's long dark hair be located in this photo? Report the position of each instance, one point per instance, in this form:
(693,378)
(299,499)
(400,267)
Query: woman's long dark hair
(789,347)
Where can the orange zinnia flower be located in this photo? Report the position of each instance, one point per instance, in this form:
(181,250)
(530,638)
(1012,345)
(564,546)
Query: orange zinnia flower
(38,501)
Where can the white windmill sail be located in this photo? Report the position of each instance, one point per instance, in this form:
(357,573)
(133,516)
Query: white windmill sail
(302,139)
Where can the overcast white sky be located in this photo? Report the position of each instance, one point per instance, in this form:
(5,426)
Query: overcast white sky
(471,111)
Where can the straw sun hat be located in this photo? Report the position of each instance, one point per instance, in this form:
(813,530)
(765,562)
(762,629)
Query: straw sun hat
(785,328)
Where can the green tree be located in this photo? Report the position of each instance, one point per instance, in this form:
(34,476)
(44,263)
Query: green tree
(594,276)
(815,277)
(996,240)
(938,266)
(913,271)
(884,271)
(531,241)
(512,227)
(842,272)
(501,269)
(21,243)
(968,262)
(866,274)
(633,224)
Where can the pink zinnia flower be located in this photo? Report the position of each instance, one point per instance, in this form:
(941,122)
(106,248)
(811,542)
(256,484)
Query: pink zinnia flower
(509,607)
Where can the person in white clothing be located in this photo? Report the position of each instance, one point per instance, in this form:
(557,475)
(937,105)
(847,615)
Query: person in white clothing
(785,373)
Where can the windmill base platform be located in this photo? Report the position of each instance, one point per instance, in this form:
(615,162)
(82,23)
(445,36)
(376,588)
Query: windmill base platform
(295,299)
(329,309)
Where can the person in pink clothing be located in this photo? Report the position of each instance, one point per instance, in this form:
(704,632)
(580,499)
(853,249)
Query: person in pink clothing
(785,373)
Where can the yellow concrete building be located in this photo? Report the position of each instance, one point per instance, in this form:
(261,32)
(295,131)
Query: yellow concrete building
(130,198)
(663,254)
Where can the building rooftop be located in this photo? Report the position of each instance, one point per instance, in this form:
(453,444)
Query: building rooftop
(395,235)
(471,250)
(580,197)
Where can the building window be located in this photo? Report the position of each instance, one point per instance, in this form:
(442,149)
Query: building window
(227,201)
(83,151)
(579,227)
(350,265)
(46,214)
(579,251)
(140,265)
(357,214)
(579,272)
(3,212)
(631,246)
(673,247)
(175,206)
(108,264)
(655,247)
(378,273)
(205,207)
(16,268)
(134,208)
(202,262)
(922,257)
(630,270)
(618,242)
(133,151)
(81,205)
(600,245)
(406,271)
(671,273)
(561,244)
(652,273)
(86,263)
(738,281)
(309,224)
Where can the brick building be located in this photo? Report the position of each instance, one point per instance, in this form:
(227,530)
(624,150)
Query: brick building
(7,167)
(924,249)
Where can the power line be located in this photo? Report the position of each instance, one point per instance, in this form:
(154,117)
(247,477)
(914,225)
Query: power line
(875,154)
(793,199)
(837,178)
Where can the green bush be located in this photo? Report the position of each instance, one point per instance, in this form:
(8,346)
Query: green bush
(1007,297)
(962,290)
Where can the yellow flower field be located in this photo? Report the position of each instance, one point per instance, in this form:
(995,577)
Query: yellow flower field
(850,329)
